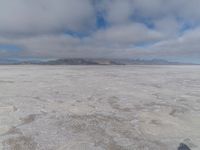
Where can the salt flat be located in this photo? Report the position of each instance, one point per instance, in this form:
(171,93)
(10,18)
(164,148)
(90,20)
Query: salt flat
(99,107)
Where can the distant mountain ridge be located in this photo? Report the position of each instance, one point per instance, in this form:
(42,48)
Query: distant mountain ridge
(82,61)
(87,61)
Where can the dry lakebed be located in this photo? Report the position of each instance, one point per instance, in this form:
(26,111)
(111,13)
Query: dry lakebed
(99,107)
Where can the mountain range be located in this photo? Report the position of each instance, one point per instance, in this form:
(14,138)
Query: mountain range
(87,61)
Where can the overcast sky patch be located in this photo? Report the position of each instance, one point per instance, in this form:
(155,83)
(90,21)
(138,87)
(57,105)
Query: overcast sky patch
(100,28)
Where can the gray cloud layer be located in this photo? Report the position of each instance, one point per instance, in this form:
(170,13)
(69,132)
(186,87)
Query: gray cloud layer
(134,28)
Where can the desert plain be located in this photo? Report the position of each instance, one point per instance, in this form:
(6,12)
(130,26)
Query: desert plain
(99,107)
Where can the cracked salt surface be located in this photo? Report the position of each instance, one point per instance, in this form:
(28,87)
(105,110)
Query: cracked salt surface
(99,107)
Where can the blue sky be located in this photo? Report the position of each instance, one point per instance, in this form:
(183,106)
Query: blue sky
(100,29)
(10,47)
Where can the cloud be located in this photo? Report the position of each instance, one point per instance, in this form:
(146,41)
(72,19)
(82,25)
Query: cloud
(168,26)
(132,33)
(185,45)
(119,11)
(69,28)
(22,17)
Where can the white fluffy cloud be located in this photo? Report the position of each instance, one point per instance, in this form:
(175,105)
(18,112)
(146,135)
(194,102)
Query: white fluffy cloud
(68,28)
(127,34)
(19,17)
(119,11)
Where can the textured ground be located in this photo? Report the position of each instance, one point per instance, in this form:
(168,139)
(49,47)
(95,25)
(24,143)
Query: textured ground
(99,107)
